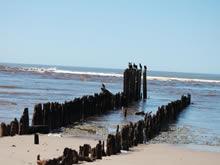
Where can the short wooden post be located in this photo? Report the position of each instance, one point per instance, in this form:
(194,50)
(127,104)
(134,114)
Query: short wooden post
(36,138)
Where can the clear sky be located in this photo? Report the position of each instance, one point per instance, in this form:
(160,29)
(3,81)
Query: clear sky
(166,35)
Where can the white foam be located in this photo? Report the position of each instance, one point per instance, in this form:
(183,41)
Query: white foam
(181,79)
(43,70)
(90,73)
(55,134)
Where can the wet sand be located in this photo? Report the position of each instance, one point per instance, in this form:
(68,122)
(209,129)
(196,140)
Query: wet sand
(162,154)
(20,150)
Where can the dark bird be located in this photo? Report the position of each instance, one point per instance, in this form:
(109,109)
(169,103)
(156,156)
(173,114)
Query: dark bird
(135,66)
(130,65)
(103,87)
(145,67)
(140,66)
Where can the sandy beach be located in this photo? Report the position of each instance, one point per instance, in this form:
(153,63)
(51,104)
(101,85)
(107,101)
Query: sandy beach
(20,150)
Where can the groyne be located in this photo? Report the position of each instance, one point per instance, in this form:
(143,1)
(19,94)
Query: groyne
(128,136)
(54,115)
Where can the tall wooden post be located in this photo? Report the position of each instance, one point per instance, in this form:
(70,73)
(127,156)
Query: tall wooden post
(145,83)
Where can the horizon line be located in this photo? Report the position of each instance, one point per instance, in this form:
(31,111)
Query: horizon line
(95,67)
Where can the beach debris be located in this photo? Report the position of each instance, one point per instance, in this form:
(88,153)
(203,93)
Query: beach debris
(41,162)
(54,134)
(124,151)
(140,113)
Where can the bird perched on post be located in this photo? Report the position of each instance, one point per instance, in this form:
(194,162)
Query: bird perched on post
(145,67)
(130,65)
(103,85)
(140,66)
(103,88)
(134,66)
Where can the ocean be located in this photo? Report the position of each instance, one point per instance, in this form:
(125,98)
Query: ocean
(24,85)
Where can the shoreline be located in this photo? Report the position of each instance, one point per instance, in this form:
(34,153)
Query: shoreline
(21,149)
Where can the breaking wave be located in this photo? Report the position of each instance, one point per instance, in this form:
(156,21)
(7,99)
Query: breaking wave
(182,79)
(60,71)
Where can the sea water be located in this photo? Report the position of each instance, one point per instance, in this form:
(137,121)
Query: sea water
(24,85)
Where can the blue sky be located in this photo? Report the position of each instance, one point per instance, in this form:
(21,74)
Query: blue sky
(171,35)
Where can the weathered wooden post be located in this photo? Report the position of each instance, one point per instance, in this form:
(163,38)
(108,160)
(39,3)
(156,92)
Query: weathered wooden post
(110,145)
(14,127)
(131,84)
(127,83)
(24,123)
(98,150)
(145,83)
(3,130)
(118,140)
(84,150)
(103,149)
(69,157)
(36,138)
(38,115)
(93,154)
(139,81)
(124,137)
(136,85)
(8,128)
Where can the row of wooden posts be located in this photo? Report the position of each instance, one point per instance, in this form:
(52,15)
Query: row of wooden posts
(53,115)
(128,136)
(132,83)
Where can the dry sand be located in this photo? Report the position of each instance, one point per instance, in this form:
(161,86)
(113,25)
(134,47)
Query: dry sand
(20,150)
